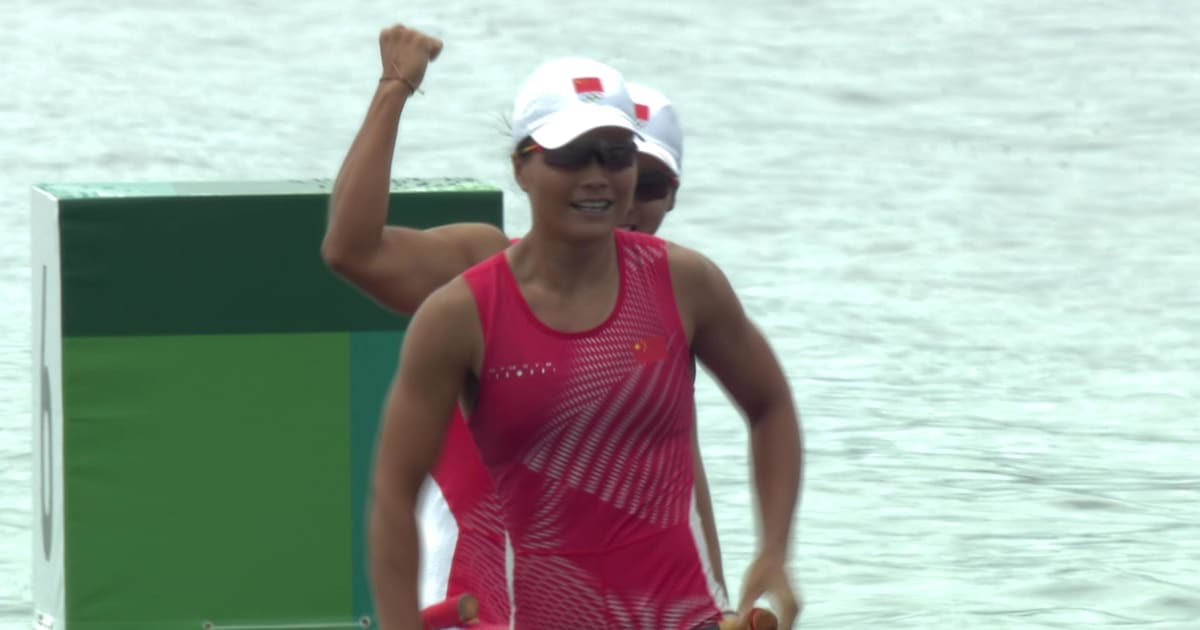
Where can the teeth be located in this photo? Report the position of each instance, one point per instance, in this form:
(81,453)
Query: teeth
(592,205)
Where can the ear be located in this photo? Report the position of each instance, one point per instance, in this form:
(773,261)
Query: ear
(518,165)
(671,199)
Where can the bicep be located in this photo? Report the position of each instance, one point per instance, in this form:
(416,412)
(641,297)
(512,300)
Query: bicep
(733,349)
(411,264)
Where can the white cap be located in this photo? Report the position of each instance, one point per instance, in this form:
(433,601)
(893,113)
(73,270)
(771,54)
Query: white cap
(655,117)
(566,98)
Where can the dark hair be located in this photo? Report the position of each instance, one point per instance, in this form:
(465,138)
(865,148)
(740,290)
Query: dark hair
(522,147)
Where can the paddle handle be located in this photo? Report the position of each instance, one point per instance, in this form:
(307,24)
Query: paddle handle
(451,612)
(758,619)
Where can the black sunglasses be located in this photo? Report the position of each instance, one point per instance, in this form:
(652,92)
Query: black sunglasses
(653,185)
(576,155)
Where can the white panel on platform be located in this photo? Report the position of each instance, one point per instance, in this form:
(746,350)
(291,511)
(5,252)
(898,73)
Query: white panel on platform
(48,553)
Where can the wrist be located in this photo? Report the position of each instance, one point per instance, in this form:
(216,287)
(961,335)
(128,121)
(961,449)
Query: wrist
(402,84)
(392,95)
(774,548)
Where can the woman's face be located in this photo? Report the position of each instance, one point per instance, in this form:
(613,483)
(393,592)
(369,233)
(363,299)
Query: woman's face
(654,195)
(571,192)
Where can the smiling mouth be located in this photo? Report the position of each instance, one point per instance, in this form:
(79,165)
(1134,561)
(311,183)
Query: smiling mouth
(593,207)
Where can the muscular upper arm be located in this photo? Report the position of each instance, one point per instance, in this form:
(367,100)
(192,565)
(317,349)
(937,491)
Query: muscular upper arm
(722,336)
(410,264)
(440,351)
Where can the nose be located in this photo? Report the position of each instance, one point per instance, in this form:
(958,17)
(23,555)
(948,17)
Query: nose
(594,177)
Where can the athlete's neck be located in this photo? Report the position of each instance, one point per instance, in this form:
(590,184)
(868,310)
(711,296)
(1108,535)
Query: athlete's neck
(562,266)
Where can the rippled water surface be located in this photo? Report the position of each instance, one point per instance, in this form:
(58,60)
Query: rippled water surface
(969,229)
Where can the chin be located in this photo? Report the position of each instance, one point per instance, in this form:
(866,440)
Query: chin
(581,232)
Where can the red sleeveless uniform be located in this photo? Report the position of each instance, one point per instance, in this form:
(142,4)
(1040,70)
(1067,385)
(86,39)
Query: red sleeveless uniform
(587,436)
(462,532)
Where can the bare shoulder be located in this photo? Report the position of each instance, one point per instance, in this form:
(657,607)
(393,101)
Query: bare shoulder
(478,241)
(703,294)
(449,306)
(693,273)
(446,326)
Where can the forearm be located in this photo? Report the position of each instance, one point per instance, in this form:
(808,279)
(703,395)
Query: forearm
(394,560)
(778,454)
(358,205)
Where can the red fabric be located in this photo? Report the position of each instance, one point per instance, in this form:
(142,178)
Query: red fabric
(443,614)
(478,565)
(584,85)
(587,436)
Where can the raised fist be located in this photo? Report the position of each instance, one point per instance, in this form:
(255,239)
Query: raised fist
(405,52)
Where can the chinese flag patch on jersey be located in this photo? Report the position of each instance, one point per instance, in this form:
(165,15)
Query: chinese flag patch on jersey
(650,349)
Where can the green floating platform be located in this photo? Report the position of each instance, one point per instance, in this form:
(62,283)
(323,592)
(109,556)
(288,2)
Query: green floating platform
(208,398)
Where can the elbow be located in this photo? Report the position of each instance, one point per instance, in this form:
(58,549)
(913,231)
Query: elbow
(779,418)
(340,251)
(335,256)
(773,406)
(339,257)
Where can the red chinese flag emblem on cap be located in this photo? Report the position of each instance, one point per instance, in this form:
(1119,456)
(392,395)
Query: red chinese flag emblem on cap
(650,349)
(584,85)
(641,111)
